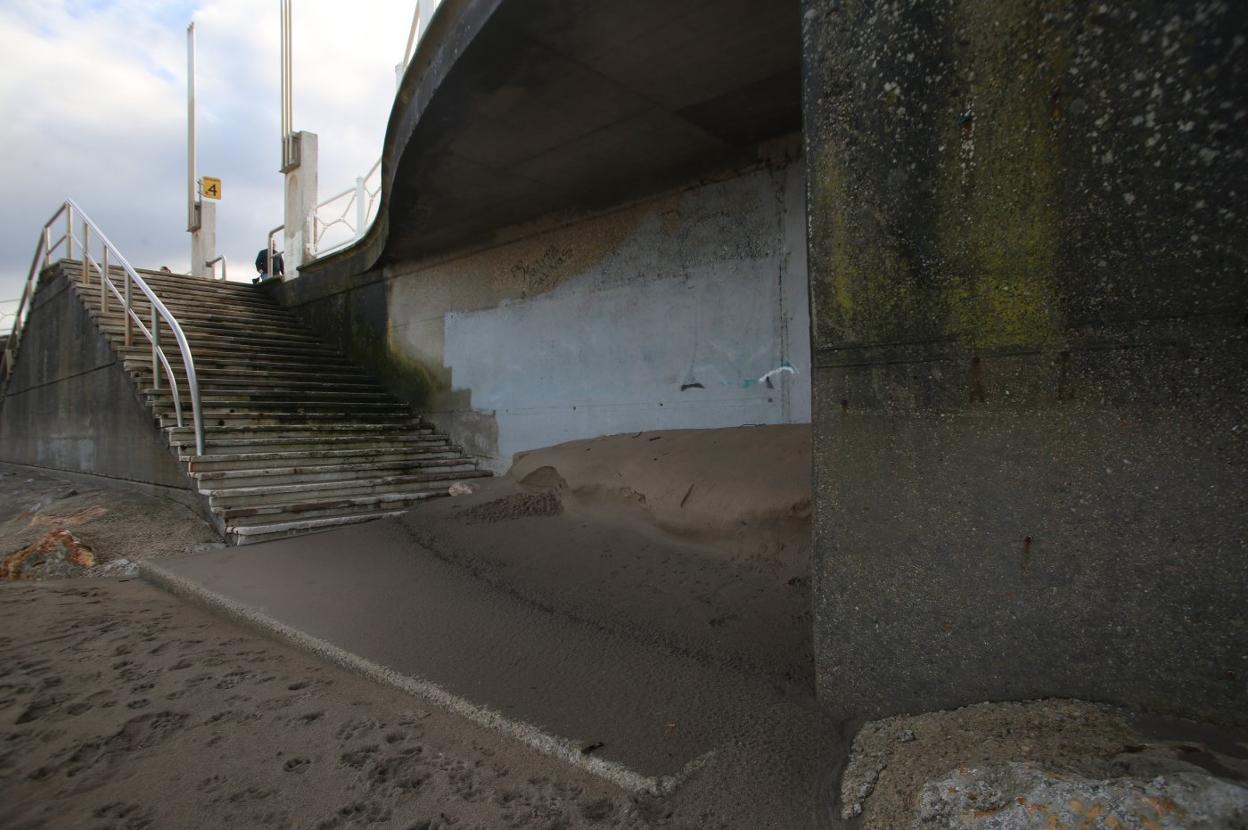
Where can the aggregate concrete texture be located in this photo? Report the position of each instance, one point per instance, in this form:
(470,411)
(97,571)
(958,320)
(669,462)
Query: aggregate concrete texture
(70,406)
(647,719)
(1031,359)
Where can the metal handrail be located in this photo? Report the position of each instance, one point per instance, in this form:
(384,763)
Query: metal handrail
(273,250)
(110,260)
(225,268)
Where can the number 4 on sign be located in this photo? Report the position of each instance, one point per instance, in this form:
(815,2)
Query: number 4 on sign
(211,187)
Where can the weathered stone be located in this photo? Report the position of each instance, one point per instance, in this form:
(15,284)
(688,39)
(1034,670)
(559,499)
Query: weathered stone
(1022,796)
(59,554)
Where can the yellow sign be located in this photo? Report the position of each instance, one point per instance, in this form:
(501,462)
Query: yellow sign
(211,187)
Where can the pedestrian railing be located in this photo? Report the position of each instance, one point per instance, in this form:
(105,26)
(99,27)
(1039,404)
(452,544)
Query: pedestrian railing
(106,269)
(342,218)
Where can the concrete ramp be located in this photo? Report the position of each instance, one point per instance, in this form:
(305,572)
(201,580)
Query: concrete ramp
(369,598)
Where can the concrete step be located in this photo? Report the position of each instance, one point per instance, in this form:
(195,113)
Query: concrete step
(224,337)
(313,421)
(215,405)
(258,460)
(228,500)
(298,438)
(262,475)
(224,353)
(218,445)
(252,534)
(292,422)
(191,309)
(259,394)
(415,430)
(331,507)
(210,375)
(224,348)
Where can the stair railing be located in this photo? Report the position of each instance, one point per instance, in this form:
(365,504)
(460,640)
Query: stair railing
(109,262)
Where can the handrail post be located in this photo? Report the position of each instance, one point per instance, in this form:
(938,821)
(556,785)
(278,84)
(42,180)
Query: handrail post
(47,245)
(69,232)
(155,347)
(361,206)
(86,255)
(128,312)
(104,284)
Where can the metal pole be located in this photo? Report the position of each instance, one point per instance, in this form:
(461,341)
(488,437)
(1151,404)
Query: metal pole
(47,245)
(129,322)
(155,347)
(192,219)
(86,255)
(287,102)
(104,284)
(69,232)
(361,206)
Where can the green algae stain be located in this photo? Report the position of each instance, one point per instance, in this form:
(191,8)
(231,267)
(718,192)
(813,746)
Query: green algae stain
(997,198)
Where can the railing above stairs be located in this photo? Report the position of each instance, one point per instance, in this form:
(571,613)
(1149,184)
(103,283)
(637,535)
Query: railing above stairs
(106,267)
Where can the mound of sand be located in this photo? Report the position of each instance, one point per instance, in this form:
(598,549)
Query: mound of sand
(706,484)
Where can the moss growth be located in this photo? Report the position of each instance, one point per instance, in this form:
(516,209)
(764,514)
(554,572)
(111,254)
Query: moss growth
(997,196)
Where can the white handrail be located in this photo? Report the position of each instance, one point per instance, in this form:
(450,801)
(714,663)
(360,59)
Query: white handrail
(356,211)
(111,259)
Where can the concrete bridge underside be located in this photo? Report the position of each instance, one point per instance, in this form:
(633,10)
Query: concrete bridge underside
(514,111)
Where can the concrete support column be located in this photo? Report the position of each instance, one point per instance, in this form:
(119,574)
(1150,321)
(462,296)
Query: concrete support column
(204,240)
(301,200)
(1027,248)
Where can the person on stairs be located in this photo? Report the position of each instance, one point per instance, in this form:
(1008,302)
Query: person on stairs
(262,265)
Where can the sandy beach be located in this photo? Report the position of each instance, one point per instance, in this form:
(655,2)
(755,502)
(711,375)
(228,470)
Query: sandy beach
(121,707)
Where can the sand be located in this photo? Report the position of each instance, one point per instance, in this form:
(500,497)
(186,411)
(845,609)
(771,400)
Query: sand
(114,523)
(122,707)
(698,540)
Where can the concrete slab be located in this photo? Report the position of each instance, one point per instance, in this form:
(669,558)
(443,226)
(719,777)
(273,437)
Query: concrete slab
(371,599)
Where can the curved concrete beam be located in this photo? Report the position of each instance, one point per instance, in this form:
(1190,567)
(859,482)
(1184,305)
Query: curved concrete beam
(516,109)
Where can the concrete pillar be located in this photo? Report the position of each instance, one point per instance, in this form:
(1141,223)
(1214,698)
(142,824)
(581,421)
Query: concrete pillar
(1027,248)
(300,205)
(204,240)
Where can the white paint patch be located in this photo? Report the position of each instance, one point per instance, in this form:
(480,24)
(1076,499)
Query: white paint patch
(678,328)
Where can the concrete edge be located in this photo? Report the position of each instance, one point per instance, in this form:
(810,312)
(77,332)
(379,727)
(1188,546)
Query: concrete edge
(185,497)
(547,744)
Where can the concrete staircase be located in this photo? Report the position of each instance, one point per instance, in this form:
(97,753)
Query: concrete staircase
(297,438)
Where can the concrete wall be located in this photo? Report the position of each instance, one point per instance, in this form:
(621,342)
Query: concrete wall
(664,314)
(70,405)
(1027,256)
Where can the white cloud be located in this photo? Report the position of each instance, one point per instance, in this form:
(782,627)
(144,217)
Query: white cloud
(94,97)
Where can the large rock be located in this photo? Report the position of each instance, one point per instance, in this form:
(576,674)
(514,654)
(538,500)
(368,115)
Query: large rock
(1022,796)
(59,554)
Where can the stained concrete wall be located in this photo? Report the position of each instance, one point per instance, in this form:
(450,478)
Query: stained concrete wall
(71,406)
(1027,256)
(664,314)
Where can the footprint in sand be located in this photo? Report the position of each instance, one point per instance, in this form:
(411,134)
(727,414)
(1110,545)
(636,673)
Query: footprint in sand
(297,765)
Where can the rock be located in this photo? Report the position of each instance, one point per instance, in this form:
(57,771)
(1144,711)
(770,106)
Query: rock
(1023,796)
(56,555)
(118,568)
(459,488)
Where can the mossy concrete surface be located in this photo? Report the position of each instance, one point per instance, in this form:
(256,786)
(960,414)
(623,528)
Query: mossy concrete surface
(1027,256)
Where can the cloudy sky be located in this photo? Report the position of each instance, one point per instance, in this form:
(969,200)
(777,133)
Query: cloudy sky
(94,98)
